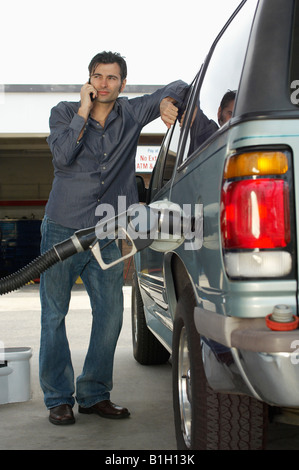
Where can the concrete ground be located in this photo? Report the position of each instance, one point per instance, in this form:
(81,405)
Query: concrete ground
(146,391)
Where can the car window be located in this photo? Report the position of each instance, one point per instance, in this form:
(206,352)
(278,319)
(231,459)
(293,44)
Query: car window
(155,182)
(167,158)
(225,67)
(171,155)
(223,72)
(222,75)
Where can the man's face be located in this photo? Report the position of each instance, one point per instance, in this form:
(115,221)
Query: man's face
(106,79)
(225,114)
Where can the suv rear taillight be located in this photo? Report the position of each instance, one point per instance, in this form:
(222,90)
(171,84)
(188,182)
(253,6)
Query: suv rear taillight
(255,215)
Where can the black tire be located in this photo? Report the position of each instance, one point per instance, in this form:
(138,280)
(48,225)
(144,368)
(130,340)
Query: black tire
(204,419)
(147,350)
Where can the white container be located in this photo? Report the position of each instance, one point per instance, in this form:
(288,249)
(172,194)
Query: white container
(15,383)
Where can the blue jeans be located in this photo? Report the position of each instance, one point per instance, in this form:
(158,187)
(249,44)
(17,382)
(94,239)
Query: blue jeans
(106,298)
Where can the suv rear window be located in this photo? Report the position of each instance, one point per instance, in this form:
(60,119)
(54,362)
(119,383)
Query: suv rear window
(225,68)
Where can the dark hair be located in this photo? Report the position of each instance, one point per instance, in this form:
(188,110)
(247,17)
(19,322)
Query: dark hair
(109,58)
(227,98)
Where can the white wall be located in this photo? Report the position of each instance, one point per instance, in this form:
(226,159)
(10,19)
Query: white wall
(28,113)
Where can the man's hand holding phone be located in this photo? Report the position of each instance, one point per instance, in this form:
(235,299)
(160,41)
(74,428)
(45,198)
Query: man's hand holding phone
(87,94)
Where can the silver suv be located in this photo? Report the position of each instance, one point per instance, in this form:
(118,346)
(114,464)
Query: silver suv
(224,303)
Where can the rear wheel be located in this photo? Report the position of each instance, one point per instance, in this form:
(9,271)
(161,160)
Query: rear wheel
(205,419)
(147,350)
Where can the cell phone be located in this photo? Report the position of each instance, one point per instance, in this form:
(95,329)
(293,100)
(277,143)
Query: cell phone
(91,94)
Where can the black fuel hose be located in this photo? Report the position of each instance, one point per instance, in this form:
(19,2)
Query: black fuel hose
(145,226)
(32,271)
(80,241)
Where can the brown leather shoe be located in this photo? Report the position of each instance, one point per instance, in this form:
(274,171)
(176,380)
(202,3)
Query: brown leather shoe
(106,409)
(62,414)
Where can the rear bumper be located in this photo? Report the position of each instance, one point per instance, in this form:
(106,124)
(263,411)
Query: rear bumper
(267,361)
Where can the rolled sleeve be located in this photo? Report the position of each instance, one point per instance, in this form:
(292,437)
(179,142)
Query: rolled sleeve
(77,123)
(65,126)
(176,90)
(147,108)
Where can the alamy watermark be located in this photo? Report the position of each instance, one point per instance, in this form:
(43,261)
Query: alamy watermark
(295,93)
(164,222)
(295,353)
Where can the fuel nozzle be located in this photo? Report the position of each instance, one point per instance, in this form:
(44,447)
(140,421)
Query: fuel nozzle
(80,241)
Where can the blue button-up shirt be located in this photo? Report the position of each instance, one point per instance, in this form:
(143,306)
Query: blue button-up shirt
(101,166)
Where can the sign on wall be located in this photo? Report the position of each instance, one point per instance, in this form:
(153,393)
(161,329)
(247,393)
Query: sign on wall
(146,158)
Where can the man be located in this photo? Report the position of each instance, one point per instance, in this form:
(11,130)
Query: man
(93,144)
(203,127)
(226,107)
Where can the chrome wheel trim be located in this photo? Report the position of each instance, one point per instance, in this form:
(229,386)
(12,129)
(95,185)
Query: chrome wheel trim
(184,387)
